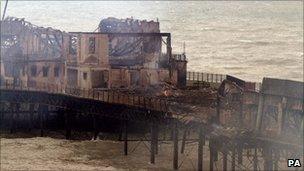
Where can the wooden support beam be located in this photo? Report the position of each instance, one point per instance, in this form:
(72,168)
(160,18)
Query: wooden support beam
(201,143)
(125,137)
(175,145)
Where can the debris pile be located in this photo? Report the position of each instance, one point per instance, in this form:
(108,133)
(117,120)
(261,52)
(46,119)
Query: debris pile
(188,104)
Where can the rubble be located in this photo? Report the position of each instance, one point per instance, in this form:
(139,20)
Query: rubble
(188,104)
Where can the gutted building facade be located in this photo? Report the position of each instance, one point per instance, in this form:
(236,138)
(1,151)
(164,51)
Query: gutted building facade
(124,53)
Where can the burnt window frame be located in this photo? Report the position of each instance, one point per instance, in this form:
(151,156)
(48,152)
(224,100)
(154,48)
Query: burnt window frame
(23,71)
(33,70)
(73,41)
(56,71)
(45,71)
(85,75)
(92,45)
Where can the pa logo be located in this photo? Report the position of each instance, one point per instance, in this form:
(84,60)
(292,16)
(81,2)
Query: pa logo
(294,163)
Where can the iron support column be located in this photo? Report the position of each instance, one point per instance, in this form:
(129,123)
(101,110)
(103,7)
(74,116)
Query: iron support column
(201,143)
(125,137)
(175,145)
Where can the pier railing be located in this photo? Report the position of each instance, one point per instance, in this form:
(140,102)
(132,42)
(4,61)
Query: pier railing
(199,77)
(205,77)
(108,96)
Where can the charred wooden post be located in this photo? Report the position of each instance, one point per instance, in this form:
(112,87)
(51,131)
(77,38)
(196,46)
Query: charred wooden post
(184,140)
(125,137)
(201,143)
(175,145)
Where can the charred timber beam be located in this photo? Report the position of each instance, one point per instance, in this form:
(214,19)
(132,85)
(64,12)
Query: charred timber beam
(127,34)
(80,104)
